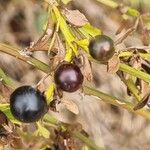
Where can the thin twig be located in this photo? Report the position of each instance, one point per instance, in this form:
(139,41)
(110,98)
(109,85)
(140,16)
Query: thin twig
(15,52)
(115,101)
(127,33)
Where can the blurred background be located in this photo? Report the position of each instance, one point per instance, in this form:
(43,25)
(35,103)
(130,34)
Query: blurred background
(21,22)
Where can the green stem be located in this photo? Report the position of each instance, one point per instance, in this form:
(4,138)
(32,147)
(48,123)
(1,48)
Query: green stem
(90,143)
(129,54)
(109,3)
(130,70)
(133,89)
(45,68)
(115,101)
(131,86)
(5,79)
(86,140)
(15,52)
(135,72)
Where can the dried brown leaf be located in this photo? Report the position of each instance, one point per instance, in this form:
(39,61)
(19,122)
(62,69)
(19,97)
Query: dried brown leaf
(3,119)
(71,106)
(15,141)
(113,64)
(86,68)
(43,42)
(145,87)
(121,27)
(142,103)
(4,93)
(145,37)
(135,61)
(59,49)
(75,17)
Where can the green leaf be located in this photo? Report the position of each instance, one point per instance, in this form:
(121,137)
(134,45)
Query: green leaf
(66,1)
(88,29)
(41,20)
(49,118)
(6,79)
(6,110)
(132,12)
(42,131)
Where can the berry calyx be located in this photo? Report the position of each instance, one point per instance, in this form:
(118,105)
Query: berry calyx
(101,48)
(27,104)
(68,77)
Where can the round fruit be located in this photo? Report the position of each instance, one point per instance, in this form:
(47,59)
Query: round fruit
(68,77)
(27,104)
(101,48)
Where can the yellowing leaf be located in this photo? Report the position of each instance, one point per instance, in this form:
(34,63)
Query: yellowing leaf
(88,29)
(132,12)
(84,44)
(63,26)
(66,1)
(68,55)
(109,3)
(49,93)
(65,30)
(42,131)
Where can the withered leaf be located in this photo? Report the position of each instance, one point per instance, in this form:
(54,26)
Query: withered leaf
(4,93)
(135,61)
(146,67)
(59,49)
(43,42)
(145,37)
(15,141)
(86,68)
(121,27)
(142,103)
(113,64)
(145,88)
(71,106)
(3,119)
(75,17)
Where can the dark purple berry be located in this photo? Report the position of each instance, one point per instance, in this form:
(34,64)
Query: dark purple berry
(27,104)
(101,48)
(68,77)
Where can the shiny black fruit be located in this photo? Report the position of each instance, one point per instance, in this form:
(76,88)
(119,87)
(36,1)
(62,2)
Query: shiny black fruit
(68,77)
(101,48)
(27,104)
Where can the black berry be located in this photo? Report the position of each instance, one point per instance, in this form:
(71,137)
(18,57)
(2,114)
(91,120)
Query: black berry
(68,77)
(27,104)
(101,48)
